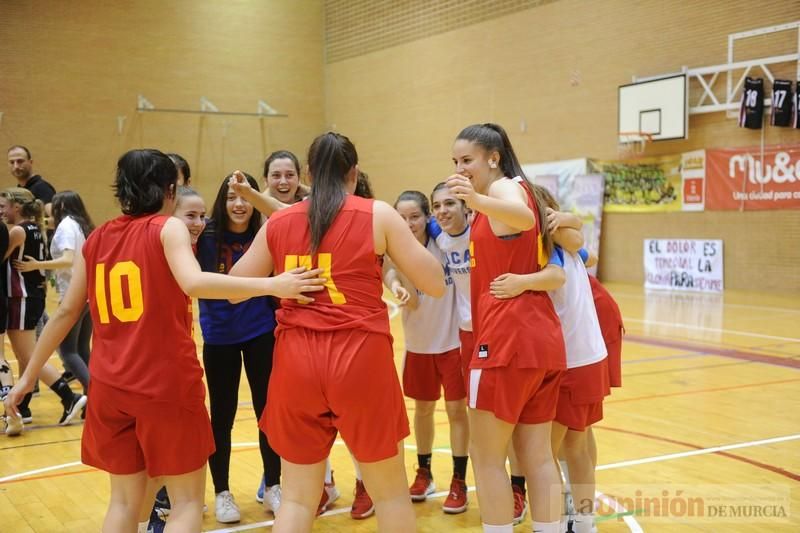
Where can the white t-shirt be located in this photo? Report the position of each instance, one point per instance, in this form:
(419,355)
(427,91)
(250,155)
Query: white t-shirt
(574,305)
(456,253)
(68,236)
(432,328)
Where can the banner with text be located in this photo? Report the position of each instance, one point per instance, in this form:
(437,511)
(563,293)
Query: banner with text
(750,179)
(693,174)
(683,265)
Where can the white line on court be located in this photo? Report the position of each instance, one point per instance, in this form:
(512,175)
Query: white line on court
(714,330)
(633,525)
(39,471)
(704,451)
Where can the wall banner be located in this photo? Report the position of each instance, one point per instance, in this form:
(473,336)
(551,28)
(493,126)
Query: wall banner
(751,179)
(643,185)
(693,175)
(683,265)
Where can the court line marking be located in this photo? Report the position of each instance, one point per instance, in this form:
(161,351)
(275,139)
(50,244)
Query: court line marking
(700,391)
(746,306)
(629,520)
(701,451)
(700,349)
(712,330)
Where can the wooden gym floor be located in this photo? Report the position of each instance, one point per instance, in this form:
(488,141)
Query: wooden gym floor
(704,435)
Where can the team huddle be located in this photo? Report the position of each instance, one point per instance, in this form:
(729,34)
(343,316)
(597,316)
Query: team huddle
(498,312)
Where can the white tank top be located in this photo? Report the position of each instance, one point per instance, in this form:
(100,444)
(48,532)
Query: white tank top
(432,328)
(456,253)
(574,305)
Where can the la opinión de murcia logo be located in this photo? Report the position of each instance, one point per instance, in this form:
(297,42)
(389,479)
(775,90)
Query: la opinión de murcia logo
(781,170)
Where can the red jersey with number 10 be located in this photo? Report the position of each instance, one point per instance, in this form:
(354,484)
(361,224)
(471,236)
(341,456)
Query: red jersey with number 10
(521,332)
(142,326)
(352,295)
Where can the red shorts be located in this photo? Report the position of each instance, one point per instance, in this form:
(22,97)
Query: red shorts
(614,349)
(424,376)
(515,395)
(580,399)
(126,433)
(467,345)
(324,382)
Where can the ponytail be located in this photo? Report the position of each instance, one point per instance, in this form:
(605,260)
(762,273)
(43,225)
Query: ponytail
(493,138)
(330,157)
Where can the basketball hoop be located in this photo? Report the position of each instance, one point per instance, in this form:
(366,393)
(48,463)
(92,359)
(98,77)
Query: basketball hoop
(633,143)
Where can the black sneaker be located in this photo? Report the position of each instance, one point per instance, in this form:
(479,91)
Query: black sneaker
(162,502)
(35,391)
(25,413)
(68,376)
(77,403)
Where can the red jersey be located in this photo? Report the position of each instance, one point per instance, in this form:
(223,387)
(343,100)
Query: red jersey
(352,295)
(142,322)
(611,326)
(522,332)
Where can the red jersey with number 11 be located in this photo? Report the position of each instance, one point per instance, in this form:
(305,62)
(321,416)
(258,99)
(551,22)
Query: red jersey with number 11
(521,332)
(352,295)
(142,327)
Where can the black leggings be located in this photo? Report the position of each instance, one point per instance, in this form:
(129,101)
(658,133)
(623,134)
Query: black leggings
(223,364)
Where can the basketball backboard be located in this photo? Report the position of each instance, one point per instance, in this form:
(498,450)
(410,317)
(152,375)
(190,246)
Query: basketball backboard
(656,107)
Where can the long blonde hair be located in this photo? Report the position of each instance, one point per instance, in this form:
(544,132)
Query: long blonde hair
(31,208)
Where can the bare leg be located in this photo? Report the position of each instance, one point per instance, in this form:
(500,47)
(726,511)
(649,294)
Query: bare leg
(153,484)
(387,484)
(299,496)
(423,426)
(126,499)
(459,427)
(490,438)
(186,493)
(532,443)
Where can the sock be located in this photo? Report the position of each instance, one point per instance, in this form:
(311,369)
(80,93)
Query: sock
(565,474)
(328,471)
(460,467)
(142,527)
(583,523)
(546,527)
(61,388)
(506,528)
(424,460)
(26,400)
(357,469)
(519,481)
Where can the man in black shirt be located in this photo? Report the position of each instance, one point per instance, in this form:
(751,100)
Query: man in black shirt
(20,164)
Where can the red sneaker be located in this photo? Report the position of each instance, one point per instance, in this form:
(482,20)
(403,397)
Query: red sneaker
(456,501)
(362,503)
(422,486)
(520,504)
(329,495)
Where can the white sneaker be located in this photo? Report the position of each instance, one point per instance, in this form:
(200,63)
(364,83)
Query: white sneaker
(13,425)
(226,509)
(272,499)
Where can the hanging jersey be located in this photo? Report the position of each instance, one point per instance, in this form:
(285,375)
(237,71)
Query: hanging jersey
(142,326)
(27,284)
(432,328)
(456,253)
(782,103)
(523,332)
(575,308)
(796,113)
(352,295)
(751,109)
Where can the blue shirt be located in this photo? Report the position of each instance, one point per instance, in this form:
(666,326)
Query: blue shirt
(221,321)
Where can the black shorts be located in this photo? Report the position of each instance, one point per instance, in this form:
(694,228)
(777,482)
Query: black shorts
(24,313)
(3,314)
